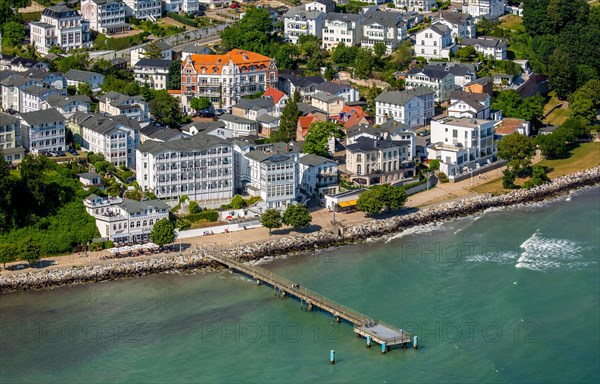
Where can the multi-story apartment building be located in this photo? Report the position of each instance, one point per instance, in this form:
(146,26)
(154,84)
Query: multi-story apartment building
(412,108)
(43,131)
(382,27)
(461,145)
(144,9)
(462,25)
(318,176)
(10,138)
(488,46)
(416,5)
(488,9)
(32,97)
(116,137)
(59,26)
(105,16)
(300,22)
(94,80)
(467,104)
(185,6)
(433,77)
(141,52)
(463,73)
(341,28)
(123,220)
(118,104)
(200,167)
(273,177)
(68,105)
(324,6)
(152,73)
(435,42)
(371,160)
(224,79)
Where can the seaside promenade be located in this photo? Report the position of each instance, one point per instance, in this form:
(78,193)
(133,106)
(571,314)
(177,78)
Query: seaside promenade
(321,219)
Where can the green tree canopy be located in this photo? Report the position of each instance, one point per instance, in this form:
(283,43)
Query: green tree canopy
(364,63)
(380,197)
(318,136)
(238,202)
(163,232)
(30,250)
(271,218)
(14,33)
(153,50)
(297,216)
(517,149)
(84,89)
(200,103)
(288,121)
(166,109)
(8,253)
(193,207)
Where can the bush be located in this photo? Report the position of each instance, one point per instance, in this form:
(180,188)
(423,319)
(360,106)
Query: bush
(193,208)
(508,179)
(205,215)
(182,19)
(443,178)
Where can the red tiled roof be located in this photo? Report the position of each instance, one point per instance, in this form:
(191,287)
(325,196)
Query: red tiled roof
(508,126)
(274,93)
(243,59)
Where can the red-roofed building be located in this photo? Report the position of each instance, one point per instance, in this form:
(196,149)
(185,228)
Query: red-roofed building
(224,79)
(509,126)
(304,123)
(279,99)
(350,116)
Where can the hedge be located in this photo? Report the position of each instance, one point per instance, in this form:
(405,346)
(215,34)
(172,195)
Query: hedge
(182,19)
(206,215)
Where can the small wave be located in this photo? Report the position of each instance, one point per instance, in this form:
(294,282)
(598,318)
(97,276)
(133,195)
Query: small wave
(266,260)
(492,257)
(416,230)
(541,253)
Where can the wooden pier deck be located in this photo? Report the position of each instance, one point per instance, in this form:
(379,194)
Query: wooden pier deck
(374,330)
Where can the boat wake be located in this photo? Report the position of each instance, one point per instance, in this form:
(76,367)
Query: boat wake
(541,253)
(416,230)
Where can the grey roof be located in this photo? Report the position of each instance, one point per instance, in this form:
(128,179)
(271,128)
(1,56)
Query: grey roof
(203,126)
(392,126)
(439,28)
(35,89)
(315,160)
(156,132)
(154,63)
(326,97)
(300,11)
(388,19)
(197,142)
(119,100)
(270,157)
(235,119)
(300,81)
(89,175)
(77,75)
(133,206)
(342,17)
(104,124)
(455,17)
(59,10)
(490,42)
(44,116)
(118,61)
(305,109)
(481,80)
(461,95)
(14,80)
(248,104)
(402,97)
(366,144)
(330,87)
(6,119)
(430,71)
(57,100)
(267,119)
(194,48)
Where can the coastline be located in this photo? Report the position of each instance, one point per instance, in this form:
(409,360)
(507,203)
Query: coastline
(45,279)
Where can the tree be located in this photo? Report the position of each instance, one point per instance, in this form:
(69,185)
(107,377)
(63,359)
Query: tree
(271,218)
(517,149)
(363,63)
(84,89)
(14,33)
(200,103)
(289,119)
(166,109)
(402,56)
(508,179)
(174,79)
(163,232)
(585,101)
(379,49)
(344,55)
(562,73)
(318,137)
(512,105)
(380,197)
(466,53)
(73,61)
(153,50)
(238,202)
(30,250)
(434,164)
(297,216)
(30,52)
(193,207)
(286,56)
(8,253)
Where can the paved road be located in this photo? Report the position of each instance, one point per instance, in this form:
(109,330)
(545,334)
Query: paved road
(207,41)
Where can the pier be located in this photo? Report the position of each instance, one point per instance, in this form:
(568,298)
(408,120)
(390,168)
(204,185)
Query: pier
(373,330)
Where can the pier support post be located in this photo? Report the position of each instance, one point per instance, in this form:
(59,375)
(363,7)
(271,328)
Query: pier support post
(383,348)
(257,282)
(332,357)
(415,342)
(282,295)
(337,319)
(309,307)
(368,341)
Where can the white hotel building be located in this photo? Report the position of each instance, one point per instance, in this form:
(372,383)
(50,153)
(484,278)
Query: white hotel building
(462,145)
(123,220)
(273,177)
(59,26)
(200,167)
(341,28)
(43,130)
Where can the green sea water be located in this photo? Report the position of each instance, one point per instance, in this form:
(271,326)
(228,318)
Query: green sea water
(508,296)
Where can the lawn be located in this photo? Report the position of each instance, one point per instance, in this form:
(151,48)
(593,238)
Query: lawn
(559,115)
(584,156)
(512,23)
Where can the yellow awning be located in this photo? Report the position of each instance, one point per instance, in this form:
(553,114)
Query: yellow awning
(350,203)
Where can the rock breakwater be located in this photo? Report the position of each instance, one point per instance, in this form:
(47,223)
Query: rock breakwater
(41,279)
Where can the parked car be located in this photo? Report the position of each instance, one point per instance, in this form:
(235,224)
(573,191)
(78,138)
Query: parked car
(60,153)
(52,154)
(72,151)
(219,112)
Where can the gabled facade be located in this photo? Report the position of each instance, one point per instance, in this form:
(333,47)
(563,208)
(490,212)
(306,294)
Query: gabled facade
(43,131)
(306,86)
(67,105)
(184,6)
(318,176)
(279,99)
(166,53)
(461,25)
(105,16)
(300,22)
(488,9)
(59,26)
(324,6)
(200,167)
(144,9)
(273,177)
(33,96)
(435,42)
(10,138)
(488,46)
(471,105)
(94,80)
(439,81)
(118,104)
(341,28)
(412,108)
(152,73)
(382,27)
(416,5)
(224,79)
